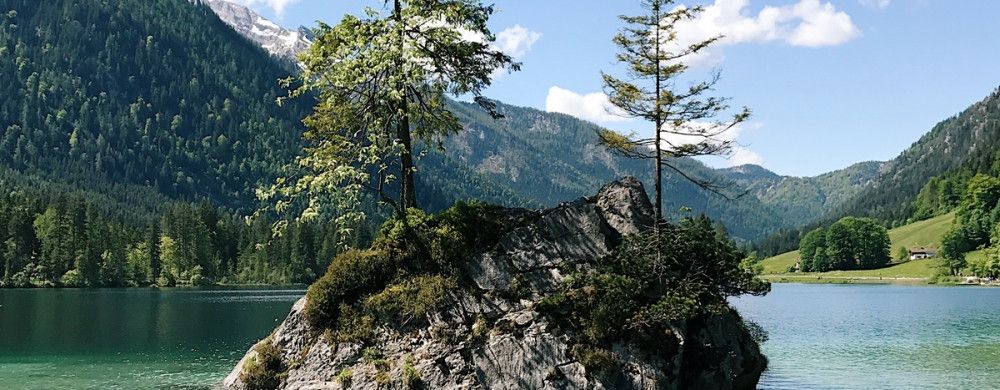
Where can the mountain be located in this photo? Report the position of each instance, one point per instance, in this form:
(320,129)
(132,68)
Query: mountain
(804,198)
(961,145)
(171,98)
(158,94)
(925,180)
(278,41)
(166,95)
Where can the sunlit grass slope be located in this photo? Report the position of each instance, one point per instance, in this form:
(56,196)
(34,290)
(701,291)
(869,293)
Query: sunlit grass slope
(922,233)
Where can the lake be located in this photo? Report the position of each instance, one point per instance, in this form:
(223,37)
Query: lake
(131,338)
(878,336)
(821,336)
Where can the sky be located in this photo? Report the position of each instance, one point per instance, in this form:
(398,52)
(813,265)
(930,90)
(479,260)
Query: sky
(830,83)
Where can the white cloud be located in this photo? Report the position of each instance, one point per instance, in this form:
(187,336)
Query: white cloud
(880,4)
(278,6)
(595,107)
(744,156)
(808,23)
(592,106)
(516,41)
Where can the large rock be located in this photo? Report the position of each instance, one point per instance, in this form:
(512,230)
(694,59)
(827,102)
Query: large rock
(493,339)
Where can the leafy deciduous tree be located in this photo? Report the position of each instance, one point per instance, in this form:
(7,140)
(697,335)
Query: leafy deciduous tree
(381,81)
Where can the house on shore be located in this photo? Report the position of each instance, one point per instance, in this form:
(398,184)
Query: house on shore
(922,253)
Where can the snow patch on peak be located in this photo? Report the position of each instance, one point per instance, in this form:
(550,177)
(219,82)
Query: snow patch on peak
(278,41)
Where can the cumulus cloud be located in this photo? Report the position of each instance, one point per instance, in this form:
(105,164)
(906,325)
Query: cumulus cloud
(593,107)
(744,156)
(808,23)
(516,41)
(880,4)
(278,6)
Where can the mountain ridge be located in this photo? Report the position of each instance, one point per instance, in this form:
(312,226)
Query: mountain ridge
(279,41)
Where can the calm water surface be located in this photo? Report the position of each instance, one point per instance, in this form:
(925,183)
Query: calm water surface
(878,336)
(821,336)
(131,338)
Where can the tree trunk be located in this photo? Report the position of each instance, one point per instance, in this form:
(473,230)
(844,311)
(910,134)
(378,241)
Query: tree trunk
(407,188)
(408,197)
(659,125)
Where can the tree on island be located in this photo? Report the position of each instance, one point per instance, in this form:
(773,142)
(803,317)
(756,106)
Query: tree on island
(684,119)
(381,81)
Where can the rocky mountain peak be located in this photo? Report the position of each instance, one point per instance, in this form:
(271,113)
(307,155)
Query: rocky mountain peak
(277,40)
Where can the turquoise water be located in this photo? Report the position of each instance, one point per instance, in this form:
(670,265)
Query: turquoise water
(879,336)
(821,336)
(131,338)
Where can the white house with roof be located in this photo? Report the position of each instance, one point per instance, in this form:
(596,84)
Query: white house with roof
(922,253)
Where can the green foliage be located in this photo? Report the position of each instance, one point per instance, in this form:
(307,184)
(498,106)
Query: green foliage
(654,280)
(409,300)
(265,370)
(597,360)
(953,248)
(851,243)
(987,266)
(345,377)
(379,84)
(350,275)
(72,279)
(975,224)
(371,354)
(812,250)
(142,101)
(196,244)
(955,150)
(940,195)
(114,135)
(408,271)
(411,377)
(902,254)
(439,243)
(648,49)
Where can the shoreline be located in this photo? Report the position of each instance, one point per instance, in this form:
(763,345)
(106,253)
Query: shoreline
(900,280)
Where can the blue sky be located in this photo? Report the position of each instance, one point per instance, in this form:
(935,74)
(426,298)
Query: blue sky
(831,83)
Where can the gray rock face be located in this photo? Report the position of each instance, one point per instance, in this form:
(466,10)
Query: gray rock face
(275,39)
(493,339)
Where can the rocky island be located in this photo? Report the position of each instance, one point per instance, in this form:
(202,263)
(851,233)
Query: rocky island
(491,323)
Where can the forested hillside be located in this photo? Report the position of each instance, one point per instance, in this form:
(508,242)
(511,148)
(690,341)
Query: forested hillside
(156,93)
(804,198)
(959,146)
(126,111)
(929,178)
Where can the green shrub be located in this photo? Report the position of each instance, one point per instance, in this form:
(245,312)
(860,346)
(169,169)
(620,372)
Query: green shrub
(422,253)
(439,243)
(371,354)
(166,279)
(265,370)
(411,377)
(353,326)
(72,278)
(409,300)
(344,377)
(596,360)
(350,275)
(653,280)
